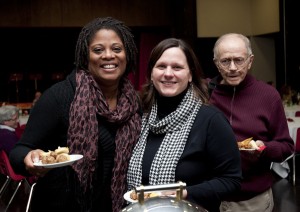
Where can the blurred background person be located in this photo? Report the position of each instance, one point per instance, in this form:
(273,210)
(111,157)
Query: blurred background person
(254,109)
(289,96)
(183,138)
(37,95)
(286,94)
(9,115)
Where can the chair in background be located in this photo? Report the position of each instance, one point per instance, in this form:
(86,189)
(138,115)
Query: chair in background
(30,195)
(297,114)
(7,170)
(6,181)
(296,153)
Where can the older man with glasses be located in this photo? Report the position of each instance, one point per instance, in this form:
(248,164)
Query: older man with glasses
(254,110)
(9,116)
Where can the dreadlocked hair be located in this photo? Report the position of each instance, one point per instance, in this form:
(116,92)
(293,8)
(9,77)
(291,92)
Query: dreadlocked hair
(88,32)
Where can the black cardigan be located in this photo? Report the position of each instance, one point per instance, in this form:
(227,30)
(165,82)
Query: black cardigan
(47,129)
(210,164)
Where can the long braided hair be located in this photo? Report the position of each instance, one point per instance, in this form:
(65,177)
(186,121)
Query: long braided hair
(88,32)
(88,103)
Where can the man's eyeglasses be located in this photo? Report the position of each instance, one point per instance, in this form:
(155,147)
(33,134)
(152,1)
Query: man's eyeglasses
(238,61)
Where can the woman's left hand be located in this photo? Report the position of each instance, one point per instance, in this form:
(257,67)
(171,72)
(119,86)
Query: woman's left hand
(173,193)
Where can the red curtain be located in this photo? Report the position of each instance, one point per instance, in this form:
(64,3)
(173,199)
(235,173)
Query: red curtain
(146,43)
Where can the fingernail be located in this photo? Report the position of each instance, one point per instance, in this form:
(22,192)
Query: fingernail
(35,160)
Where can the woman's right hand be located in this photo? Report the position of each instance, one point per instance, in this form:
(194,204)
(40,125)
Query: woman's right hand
(33,157)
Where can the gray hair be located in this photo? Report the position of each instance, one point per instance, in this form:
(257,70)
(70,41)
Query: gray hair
(7,112)
(240,36)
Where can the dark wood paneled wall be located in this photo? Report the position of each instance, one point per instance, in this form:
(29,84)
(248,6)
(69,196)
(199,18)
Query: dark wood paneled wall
(38,31)
(39,36)
(76,13)
(292,34)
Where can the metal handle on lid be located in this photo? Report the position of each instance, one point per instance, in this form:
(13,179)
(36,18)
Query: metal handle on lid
(173,186)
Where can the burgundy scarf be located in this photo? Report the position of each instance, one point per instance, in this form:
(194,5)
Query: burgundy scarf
(83,132)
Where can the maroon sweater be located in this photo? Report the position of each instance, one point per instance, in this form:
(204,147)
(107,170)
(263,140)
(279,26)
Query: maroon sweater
(8,139)
(254,109)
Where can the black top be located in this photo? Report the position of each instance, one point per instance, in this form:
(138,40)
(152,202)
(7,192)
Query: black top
(47,129)
(210,164)
(166,105)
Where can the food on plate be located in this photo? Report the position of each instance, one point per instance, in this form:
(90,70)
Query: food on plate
(253,144)
(249,144)
(61,150)
(62,157)
(134,196)
(61,154)
(245,144)
(153,194)
(48,159)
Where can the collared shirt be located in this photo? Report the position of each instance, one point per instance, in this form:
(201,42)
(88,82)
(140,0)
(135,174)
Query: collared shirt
(7,127)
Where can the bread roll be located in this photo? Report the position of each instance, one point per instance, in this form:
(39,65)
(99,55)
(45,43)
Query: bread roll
(61,154)
(62,157)
(61,150)
(48,159)
(44,154)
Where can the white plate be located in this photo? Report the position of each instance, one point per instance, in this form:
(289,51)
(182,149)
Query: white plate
(73,158)
(243,149)
(127,196)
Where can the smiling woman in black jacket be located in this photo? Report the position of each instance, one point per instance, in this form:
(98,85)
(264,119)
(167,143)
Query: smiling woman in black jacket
(183,138)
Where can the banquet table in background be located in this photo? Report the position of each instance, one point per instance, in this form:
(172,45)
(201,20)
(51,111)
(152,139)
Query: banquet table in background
(290,111)
(293,124)
(23,119)
(22,124)
(283,169)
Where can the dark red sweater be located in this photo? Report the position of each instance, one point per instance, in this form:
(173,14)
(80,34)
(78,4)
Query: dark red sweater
(254,109)
(8,139)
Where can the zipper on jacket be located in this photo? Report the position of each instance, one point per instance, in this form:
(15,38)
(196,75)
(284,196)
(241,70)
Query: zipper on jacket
(231,106)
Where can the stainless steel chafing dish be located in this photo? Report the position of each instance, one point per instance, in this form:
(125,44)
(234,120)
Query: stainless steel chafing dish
(162,203)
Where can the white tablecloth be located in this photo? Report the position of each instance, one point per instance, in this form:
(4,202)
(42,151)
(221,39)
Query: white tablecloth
(283,169)
(23,119)
(290,111)
(294,124)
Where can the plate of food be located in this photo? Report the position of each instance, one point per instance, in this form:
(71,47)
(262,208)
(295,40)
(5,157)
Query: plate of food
(245,149)
(57,158)
(249,145)
(72,159)
(132,197)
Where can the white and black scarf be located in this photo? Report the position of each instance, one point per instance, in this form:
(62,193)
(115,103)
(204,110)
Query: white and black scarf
(176,127)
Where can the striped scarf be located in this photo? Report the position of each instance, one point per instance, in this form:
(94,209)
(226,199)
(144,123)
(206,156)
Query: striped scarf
(176,127)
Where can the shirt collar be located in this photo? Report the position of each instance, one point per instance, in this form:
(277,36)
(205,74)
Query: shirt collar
(7,127)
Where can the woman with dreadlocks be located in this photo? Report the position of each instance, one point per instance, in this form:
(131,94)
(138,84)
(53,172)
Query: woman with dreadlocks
(94,112)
